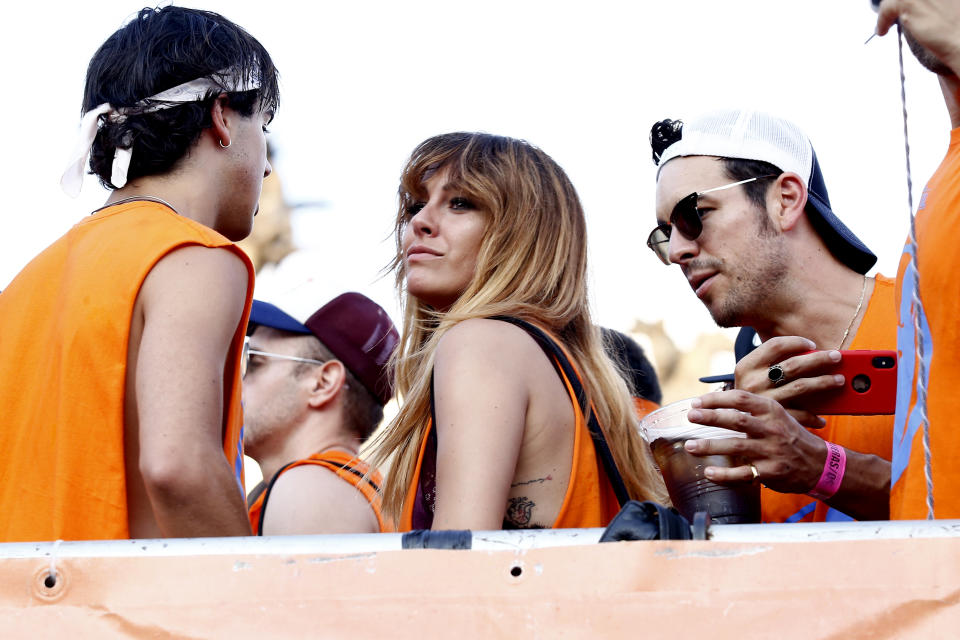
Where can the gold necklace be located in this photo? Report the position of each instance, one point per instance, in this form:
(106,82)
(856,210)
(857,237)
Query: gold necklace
(863,290)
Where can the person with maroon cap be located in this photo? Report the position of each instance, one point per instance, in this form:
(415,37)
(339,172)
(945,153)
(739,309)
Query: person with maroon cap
(312,393)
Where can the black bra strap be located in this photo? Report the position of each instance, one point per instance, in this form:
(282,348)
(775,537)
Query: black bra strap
(562,364)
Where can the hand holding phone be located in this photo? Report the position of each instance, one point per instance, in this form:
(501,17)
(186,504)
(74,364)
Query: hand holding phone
(870,386)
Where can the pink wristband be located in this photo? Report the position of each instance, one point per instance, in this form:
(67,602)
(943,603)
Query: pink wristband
(832,475)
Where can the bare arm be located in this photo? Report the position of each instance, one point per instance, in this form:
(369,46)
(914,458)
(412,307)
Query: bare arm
(481,403)
(192,304)
(311,499)
(788,458)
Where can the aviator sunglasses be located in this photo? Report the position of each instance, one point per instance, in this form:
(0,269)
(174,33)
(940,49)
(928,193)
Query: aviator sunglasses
(687,218)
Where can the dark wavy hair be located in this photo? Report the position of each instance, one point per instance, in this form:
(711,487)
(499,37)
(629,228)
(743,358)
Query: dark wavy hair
(666,132)
(157,50)
(635,368)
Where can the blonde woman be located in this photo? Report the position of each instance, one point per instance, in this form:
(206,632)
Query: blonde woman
(497,342)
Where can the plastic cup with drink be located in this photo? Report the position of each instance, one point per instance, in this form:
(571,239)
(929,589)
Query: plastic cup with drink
(666,429)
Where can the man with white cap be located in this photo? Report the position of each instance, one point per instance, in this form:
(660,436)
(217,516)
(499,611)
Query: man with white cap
(120,344)
(313,392)
(743,209)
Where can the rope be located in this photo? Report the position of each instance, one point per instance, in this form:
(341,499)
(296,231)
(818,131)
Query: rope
(921,405)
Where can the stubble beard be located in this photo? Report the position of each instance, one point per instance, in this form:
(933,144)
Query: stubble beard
(263,427)
(251,437)
(925,57)
(758,278)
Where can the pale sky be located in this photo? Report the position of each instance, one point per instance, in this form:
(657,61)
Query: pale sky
(364,82)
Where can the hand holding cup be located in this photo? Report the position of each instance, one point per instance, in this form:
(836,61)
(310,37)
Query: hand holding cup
(787,457)
(667,429)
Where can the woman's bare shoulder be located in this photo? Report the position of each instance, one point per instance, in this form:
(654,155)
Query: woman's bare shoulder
(485,337)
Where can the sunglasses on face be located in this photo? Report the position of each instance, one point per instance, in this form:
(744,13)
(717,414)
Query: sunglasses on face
(247,352)
(687,218)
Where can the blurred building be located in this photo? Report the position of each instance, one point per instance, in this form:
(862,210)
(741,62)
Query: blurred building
(272,239)
(679,370)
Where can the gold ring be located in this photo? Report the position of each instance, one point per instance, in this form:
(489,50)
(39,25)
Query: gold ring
(753,470)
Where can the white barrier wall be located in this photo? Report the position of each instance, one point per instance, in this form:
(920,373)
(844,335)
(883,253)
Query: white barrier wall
(863,580)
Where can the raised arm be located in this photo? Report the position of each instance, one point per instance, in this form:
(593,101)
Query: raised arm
(935,24)
(192,303)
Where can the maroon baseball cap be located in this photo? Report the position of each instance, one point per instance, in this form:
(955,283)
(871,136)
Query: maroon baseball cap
(353,327)
(362,336)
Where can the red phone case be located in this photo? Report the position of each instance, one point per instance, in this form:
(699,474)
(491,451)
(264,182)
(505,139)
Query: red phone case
(880,398)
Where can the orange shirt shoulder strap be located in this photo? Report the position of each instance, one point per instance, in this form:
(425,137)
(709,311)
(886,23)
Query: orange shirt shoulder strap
(347,467)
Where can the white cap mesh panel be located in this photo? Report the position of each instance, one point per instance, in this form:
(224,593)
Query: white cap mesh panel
(749,135)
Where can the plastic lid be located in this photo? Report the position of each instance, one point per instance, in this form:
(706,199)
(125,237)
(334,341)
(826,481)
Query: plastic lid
(671,422)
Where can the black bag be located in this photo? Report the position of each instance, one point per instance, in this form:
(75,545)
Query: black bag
(647,521)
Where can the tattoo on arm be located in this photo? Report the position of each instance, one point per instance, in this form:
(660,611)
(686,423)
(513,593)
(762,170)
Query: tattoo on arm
(534,481)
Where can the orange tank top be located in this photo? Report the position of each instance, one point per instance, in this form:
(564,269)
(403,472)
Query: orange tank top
(64,328)
(590,500)
(348,468)
(864,434)
(643,407)
(918,470)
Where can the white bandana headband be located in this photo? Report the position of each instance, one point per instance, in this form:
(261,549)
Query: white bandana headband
(72,180)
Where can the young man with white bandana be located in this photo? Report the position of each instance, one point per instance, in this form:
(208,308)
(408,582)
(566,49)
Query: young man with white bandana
(120,343)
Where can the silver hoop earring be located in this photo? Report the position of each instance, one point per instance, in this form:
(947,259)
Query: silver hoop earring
(225,146)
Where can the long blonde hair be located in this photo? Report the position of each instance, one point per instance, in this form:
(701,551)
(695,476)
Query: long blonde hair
(532,265)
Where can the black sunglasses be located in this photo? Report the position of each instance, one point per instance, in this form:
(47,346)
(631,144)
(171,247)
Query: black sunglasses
(687,219)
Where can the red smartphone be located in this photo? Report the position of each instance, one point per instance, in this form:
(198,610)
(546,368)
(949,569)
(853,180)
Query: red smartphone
(870,386)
